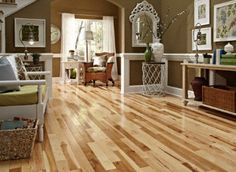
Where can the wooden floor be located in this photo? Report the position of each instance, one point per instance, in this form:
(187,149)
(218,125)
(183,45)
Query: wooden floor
(97,129)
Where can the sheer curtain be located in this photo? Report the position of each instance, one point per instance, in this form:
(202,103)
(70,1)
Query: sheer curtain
(68,37)
(109,44)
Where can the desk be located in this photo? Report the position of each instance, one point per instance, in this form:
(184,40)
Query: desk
(211,67)
(72,65)
(153,78)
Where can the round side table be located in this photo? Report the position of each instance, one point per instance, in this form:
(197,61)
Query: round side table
(153,78)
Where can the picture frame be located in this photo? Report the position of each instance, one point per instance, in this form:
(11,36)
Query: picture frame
(201,12)
(225,21)
(206,39)
(39,31)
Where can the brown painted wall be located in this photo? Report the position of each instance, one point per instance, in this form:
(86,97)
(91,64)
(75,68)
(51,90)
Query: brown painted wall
(38,10)
(178,39)
(56,65)
(136,72)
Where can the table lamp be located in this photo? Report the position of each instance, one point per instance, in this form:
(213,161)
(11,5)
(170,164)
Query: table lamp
(27,31)
(88,36)
(198,39)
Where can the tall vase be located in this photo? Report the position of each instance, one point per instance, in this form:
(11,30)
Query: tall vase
(157,50)
(197,84)
(148,53)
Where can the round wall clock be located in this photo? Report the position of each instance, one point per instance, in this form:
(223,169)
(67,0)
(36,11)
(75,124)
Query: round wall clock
(55,34)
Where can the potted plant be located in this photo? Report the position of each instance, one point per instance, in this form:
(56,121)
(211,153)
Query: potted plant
(207,58)
(35,58)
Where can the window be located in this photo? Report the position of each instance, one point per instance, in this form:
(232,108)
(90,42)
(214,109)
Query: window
(94,46)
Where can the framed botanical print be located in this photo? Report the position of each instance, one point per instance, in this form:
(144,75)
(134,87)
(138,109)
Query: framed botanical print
(22,28)
(225,21)
(201,12)
(205,43)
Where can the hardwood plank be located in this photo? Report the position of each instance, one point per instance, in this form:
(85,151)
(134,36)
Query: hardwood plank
(102,157)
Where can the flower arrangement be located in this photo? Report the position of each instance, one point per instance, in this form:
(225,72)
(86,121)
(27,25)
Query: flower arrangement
(162,26)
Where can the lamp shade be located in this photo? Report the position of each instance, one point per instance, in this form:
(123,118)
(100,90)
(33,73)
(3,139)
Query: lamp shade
(88,35)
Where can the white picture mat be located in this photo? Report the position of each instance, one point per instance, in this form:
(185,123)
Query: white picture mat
(205,20)
(228,21)
(42,31)
(208,45)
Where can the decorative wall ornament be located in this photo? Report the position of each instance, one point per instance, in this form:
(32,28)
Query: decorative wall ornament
(202,12)
(143,7)
(144,19)
(225,21)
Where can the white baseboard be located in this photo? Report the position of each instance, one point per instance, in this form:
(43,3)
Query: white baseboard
(132,89)
(177,92)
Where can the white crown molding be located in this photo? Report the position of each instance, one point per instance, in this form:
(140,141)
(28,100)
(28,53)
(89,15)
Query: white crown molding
(9,10)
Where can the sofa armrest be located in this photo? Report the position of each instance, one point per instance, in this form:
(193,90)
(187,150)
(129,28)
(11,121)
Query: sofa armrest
(39,73)
(87,65)
(48,78)
(22,82)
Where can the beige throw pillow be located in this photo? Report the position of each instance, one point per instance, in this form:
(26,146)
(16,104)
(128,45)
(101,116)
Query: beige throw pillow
(100,61)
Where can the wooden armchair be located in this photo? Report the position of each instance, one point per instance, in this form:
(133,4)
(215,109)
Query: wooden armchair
(102,73)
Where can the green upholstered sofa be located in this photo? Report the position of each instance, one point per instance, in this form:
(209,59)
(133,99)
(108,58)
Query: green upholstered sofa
(30,101)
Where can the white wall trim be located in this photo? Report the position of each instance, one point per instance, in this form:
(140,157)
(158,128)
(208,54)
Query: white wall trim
(3,36)
(57,55)
(9,9)
(125,72)
(177,91)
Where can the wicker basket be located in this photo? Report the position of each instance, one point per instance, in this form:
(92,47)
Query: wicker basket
(17,144)
(221,97)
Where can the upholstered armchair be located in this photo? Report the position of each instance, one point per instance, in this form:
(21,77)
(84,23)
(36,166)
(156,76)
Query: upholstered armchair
(99,69)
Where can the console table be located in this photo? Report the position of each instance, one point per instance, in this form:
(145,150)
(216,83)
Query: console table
(210,67)
(153,78)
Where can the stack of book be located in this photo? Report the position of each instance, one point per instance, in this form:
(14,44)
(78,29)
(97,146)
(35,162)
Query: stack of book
(228,59)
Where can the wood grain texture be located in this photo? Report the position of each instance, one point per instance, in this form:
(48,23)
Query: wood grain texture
(95,129)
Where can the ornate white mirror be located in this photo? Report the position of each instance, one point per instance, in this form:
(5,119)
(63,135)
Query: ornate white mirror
(144,19)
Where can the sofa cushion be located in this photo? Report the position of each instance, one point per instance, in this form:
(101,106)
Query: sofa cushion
(7,73)
(96,69)
(27,95)
(12,60)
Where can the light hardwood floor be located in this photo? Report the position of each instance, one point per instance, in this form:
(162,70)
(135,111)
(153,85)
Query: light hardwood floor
(97,129)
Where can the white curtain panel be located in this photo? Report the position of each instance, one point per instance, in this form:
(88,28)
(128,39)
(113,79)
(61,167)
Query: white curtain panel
(109,44)
(68,36)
